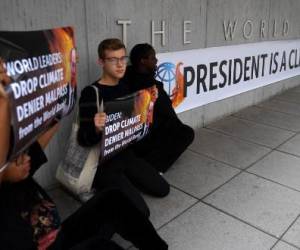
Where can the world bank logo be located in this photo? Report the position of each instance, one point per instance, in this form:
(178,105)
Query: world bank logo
(166,74)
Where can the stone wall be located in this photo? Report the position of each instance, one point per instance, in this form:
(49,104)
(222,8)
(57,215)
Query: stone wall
(141,21)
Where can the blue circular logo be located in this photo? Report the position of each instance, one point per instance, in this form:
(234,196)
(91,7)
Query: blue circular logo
(166,74)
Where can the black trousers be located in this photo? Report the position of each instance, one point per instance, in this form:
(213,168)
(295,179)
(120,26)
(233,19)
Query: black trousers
(130,173)
(97,244)
(164,146)
(82,229)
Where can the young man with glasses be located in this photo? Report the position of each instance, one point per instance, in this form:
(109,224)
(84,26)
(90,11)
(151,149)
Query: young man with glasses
(125,171)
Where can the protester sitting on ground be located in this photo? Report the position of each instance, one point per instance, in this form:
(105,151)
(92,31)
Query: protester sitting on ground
(30,220)
(169,137)
(125,171)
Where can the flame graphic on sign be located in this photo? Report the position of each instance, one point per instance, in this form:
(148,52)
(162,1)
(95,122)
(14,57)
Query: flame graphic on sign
(177,92)
(62,39)
(144,104)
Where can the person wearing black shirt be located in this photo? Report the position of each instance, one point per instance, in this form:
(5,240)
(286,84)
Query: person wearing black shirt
(126,170)
(169,137)
(30,220)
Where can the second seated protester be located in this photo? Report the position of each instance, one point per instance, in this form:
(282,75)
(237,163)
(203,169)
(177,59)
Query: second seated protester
(125,170)
(169,137)
(30,220)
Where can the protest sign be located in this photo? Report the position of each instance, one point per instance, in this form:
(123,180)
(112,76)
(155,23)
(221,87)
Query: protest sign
(40,79)
(128,120)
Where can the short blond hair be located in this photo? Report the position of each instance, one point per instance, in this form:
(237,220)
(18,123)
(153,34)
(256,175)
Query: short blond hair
(109,44)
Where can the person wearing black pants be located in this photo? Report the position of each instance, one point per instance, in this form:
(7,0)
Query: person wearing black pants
(110,207)
(168,137)
(126,170)
(30,220)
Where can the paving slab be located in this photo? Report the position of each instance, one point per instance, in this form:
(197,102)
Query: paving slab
(203,227)
(258,133)
(162,210)
(293,234)
(292,146)
(289,96)
(261,203)
(279,167)
(281,106)
(198,175)
(227,149)
(270,117)
(283,246)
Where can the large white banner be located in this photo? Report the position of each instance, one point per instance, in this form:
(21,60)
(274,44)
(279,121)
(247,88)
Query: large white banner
(193,78)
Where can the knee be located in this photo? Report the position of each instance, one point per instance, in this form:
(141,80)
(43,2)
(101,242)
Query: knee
(164,189)
(188,134)
(160,187)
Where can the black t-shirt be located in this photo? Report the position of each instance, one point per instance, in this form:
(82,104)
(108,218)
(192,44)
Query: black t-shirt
(87,135)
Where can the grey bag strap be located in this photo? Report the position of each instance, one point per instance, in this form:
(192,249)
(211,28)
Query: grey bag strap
(100,107)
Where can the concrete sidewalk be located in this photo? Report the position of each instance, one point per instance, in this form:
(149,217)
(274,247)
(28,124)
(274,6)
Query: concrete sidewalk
(238,185)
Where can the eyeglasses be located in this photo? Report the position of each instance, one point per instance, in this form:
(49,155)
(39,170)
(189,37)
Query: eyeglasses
(116,60)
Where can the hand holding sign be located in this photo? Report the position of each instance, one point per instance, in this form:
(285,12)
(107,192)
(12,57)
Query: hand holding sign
(17,170)
(99,120)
